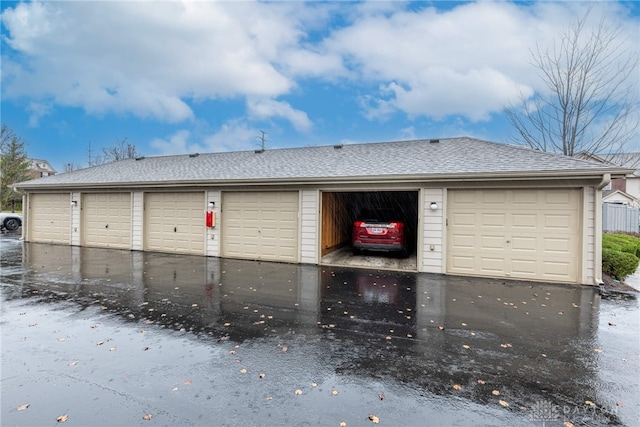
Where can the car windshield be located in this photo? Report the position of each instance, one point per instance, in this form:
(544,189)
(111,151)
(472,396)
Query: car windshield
(378,215)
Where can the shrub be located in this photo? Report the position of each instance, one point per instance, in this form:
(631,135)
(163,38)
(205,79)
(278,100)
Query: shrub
(618,264)
(622,242)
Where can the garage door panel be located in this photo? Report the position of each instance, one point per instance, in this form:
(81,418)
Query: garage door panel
(107,220)
(492,265)
(538,232)
(492,242)
(493,220)
(174,222)
(50,218)
(260,225)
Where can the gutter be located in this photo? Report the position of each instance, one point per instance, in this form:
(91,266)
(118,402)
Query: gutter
(364,179)
(606,179)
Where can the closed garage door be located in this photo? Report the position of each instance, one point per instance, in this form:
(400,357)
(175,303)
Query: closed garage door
(174,222)
(519,234)
(260,225)
(107,220)
(50,218)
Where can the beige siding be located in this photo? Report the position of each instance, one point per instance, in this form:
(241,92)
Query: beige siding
(106,220)
(260,225)
(309,226)
(593,242)
(137,221)
(174,222)
(50,217)
(76,223)
(432,230)
(213,234)
(519,233)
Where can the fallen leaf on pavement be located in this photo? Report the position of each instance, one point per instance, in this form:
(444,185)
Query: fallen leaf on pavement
(590,403)
(381,396)
(147,417)
(481,382)
(334,392)
(503,403)
(568,424)
(298,392)
(374,419)
(457,387)
(243,371)
(261,375)
(343,424)
(23,407)
(495,392)
(62,418)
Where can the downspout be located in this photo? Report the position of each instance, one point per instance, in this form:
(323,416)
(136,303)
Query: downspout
(606,179)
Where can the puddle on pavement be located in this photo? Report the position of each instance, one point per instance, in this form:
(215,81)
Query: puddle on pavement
(196,341)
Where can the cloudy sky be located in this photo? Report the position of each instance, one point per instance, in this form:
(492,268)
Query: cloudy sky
(181,77)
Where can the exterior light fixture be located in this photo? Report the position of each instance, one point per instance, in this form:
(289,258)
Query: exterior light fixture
(74,203)
(211,205)
(434,206)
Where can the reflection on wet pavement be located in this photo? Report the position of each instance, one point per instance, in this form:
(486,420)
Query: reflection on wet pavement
(408,348)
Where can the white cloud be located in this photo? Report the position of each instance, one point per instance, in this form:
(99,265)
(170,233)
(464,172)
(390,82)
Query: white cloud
(470,61)
(158,60)
(268,108)
(233,135)
(147,58)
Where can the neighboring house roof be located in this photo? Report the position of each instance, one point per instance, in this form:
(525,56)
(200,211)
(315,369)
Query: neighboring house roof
(450,158)
(627,160)
(614,196)
(39,165)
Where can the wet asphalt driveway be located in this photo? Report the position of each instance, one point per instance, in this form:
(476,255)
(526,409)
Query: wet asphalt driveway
(119,338)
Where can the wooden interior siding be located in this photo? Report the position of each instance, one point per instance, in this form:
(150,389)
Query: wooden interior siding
(335,222)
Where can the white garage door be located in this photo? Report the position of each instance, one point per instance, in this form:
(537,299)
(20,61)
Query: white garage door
(50,218)
(175,222)
(106,220)
(260,225)
(519,234)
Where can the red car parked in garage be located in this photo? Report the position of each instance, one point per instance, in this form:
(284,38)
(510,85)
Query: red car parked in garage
(379,230)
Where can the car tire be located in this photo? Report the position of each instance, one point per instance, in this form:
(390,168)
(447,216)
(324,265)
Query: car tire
(11,224)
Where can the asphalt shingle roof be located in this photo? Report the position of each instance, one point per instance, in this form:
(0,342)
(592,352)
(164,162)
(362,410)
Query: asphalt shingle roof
(421,158)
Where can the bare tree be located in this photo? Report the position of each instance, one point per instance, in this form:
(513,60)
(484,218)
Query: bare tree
(590,104)
(120,151)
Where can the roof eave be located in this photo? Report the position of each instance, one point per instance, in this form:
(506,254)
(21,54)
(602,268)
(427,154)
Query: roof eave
(469,177)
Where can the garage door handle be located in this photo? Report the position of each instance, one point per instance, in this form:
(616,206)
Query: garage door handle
(175,229)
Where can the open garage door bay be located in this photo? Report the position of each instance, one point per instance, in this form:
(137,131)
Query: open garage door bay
(50,218)
(526,234)
(260,225)
(174,222)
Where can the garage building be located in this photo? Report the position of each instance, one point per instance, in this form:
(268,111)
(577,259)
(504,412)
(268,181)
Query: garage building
(471,207)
